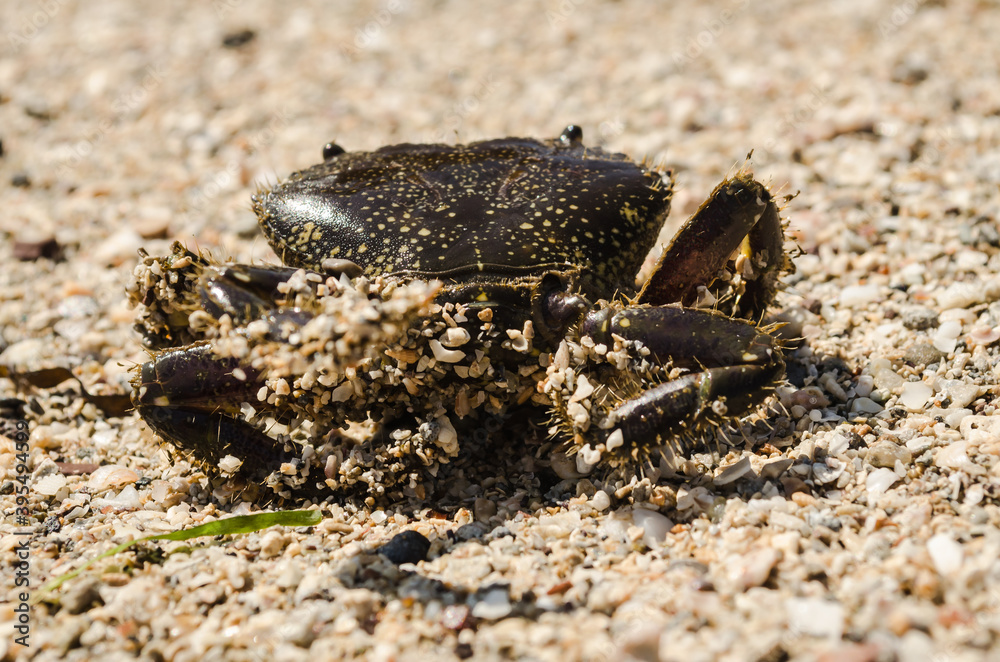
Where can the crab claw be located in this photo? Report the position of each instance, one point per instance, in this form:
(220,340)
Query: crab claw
(190,396)
(740,215)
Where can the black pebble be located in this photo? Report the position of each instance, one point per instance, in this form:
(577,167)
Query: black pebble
(237,39)
(406,547)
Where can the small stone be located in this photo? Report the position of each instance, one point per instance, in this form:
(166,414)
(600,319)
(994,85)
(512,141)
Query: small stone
(49,485)
(809,398)
(886,453)
(918,445)
(816,617)
(455,617)
(919,318)
(494,604)
(119,248)
(600,500)
(960,393)
(923,354)
(111,475)
(980,430)
(960,295)
(733,472)
(946,338)
(654,526)
(30,249)
(885,377)
(879,481)
(954,417)
(484,509)
(773,470)
(154,225)
(838,444)
(753,569)
(471,531)
(858,296)
(81,597)
(983,335)
(238,39)
(406,547)
(914,395)
(865,406)
(828,471)
(953,456)
(946,554)
(272,544)
(865,386)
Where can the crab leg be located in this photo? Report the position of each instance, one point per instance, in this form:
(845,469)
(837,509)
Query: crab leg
(733,363)
(684,337)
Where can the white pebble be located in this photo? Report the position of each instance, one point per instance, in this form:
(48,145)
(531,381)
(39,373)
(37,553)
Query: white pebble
(946,554)
(600,500)
(127,499)
(49,485)
(230,464)
(445,355)
(615,440)
(984,335)
(827,471)
(885,377)
(954,417)
(838,444)
(655,526)
(816,617)
(918,445)
(865,406)
(455,337)
(584,389)
(879,481)
(960,393)
(586,459)
(980,429)
(914,395)
(947,334)
(960,295)
(753,569)
(494,605)
(865,386)
(953,456)
(272,544)
(342,393)
(859,295)
(111,475)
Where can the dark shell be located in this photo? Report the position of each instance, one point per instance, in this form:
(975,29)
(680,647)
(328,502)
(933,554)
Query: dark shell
(470,213)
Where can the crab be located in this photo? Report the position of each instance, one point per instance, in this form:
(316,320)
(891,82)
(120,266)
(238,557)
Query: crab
(426,289)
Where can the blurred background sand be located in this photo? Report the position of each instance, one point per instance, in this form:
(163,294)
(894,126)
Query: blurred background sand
(128,125)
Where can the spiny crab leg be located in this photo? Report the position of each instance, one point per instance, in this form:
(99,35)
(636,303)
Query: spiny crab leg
(685,337)
(728,367)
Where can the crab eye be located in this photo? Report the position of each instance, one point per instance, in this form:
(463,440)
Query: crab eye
(331,150)
(571,134)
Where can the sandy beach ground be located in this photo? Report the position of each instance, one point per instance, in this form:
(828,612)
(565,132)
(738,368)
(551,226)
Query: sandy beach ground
(862,527)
